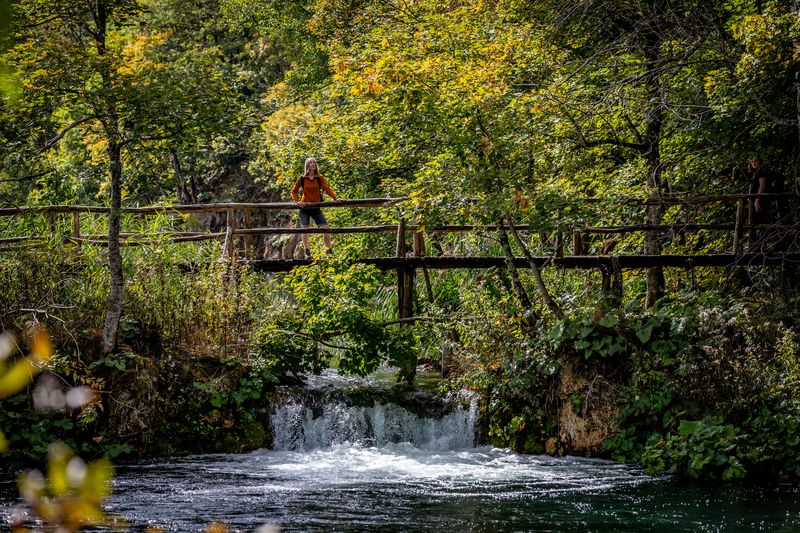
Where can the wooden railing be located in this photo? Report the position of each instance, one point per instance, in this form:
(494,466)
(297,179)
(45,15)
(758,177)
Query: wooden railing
(741,223)
(406,261)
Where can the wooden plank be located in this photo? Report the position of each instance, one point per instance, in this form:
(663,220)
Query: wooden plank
(578,262)
(23,238)
(129,241)
(608,230)
(351,229)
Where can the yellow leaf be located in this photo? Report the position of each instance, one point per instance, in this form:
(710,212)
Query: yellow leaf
(58,457)
(16,378)
(42,348)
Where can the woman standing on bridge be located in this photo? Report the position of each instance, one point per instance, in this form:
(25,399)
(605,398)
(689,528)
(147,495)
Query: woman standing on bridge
(311,182)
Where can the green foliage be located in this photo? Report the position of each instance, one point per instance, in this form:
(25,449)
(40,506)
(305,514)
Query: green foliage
(329,320)
(692,358)
(71,497)
(773,446)
(704,448)
(242,398)
(114,361)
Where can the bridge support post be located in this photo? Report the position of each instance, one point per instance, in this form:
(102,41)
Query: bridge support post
(400,252)
(405,277)
(612,280)
(419,251)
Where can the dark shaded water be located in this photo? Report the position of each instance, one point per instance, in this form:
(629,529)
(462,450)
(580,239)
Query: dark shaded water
(403,488)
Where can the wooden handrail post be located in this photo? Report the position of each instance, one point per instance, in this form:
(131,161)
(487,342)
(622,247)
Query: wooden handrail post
(737,230)
(247,240)
(230,225)
(577,242)
(51,221)
(76,227)
(401,238)
(419,244)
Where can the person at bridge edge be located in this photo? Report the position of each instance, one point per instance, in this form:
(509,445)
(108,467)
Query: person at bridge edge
(312,184)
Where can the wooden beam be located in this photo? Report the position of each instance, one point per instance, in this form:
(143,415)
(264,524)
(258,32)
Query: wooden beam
(577,262)
(388,228)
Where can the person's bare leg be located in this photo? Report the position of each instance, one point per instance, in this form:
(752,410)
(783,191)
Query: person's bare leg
(327,238)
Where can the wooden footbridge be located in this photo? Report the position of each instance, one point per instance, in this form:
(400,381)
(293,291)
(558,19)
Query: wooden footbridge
(570,248)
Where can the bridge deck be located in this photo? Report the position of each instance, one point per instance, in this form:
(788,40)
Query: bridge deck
(572,261)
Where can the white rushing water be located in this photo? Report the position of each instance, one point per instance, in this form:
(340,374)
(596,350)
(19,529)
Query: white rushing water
(297,427)
(332,409)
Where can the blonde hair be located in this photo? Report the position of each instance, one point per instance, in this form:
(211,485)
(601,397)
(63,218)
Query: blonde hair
(316,165)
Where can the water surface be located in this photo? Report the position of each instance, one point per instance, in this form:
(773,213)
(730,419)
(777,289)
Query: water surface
(403,488)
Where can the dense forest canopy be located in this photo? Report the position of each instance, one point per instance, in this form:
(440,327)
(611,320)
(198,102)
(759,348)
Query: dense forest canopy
(540,113)
(502,98)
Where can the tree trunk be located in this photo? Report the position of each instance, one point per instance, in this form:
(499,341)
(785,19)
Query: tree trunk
(115,295)
(652,156)
(111,123)
(796,13)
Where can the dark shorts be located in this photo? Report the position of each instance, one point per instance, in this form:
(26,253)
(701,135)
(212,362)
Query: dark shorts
(316,214)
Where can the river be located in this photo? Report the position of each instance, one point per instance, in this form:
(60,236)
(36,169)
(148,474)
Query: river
(350,462)
(399,487)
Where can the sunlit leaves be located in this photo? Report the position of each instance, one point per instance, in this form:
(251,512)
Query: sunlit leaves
(16,374)
(331,319)
(71,496)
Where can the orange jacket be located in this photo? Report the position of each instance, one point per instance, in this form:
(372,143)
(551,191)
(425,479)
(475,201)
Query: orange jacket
(310,188)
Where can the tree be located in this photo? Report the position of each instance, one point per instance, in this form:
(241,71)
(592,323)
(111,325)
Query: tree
(77,61)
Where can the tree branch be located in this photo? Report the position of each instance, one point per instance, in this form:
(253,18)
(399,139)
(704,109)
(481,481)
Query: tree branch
(311,338)
(52,142)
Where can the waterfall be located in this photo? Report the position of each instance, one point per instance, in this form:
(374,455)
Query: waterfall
(323,415)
